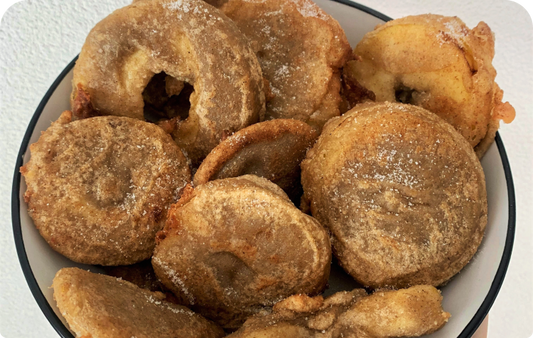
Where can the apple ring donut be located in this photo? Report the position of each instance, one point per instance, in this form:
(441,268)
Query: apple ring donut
(437,63)
(402,193)
(234,246)
(192,43)
(99,188)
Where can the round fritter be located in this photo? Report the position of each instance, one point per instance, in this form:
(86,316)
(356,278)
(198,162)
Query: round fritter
(437,63)
(99,189)
(385,314)
(401,191)
(96,305)
(270,149)
(301,49)
(189,41)
(233,246)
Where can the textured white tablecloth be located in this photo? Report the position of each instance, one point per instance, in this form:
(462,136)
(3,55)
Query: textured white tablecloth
(38,38)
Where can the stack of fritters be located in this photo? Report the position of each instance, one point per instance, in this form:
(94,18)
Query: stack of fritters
(163,89)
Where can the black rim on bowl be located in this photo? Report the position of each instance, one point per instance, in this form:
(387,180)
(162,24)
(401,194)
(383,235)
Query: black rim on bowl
(57,324)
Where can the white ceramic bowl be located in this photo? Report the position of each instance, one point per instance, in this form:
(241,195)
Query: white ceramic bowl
(468,296)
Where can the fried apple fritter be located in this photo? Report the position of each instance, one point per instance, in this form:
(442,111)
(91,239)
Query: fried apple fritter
(270,149)
(233,246)
(99,189)
(437,63)
(409,312)
(101,306)
(188,41)
(301,49)
(402,193)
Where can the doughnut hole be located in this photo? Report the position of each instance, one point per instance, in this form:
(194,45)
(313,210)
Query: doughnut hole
(166,97)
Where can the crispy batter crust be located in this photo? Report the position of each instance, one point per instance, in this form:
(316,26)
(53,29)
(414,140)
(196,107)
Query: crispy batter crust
(190,41)
(385,314)
(99,189)
(231,247)
(142,275)
(102,306)
(401,191)
(216,3)
(270,149)
(301,49)
(437,63)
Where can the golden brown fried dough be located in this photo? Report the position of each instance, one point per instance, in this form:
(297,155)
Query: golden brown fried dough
(437,63)
(191,42)
(142,275)
(270,149)
(99,188)
(385,314)
(401,191)
(231,247)
(301,50)
(216,3)
(101,306)
(354,92)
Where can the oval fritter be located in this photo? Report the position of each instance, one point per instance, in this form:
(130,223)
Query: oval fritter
(233,246)
(401,191)
(270,149)
(409,312)
(96,305)
(99,189)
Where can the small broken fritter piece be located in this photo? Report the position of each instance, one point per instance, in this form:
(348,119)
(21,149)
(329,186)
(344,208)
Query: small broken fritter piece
(82,106)
(98,189)
(401,191)
(409,312)
(353,91)
(96,305)
(438,63)
(233,246)
(301,49)
(270,149)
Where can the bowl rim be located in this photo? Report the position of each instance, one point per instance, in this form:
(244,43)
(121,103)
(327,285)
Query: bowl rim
(64,332)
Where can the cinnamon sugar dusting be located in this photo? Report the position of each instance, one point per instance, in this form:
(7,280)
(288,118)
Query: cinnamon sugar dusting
(103,182)
(395,181)
(303,75)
